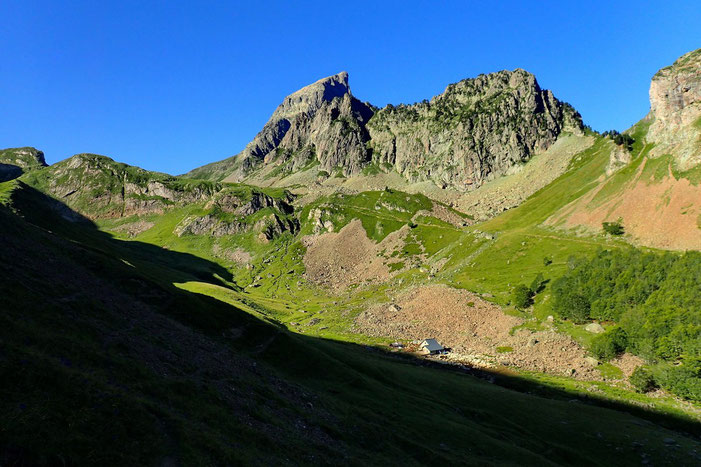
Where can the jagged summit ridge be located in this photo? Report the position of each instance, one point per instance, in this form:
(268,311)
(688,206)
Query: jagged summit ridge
(477,129)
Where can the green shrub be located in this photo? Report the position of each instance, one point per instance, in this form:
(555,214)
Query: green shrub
(613,228)
(642,379)
(538,284)
(683,380)
(322,174)
(569,303)
(609,344)
(522,296)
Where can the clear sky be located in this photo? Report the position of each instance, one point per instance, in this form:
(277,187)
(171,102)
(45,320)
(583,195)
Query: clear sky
(172,85)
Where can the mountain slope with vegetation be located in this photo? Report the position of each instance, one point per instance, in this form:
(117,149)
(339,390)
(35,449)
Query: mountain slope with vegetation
(152,373)
(16,161)
(278,321)
(652,183)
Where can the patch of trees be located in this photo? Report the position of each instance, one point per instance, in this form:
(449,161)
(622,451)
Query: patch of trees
(655,299)
(522,296)
(620,139)
(613,228)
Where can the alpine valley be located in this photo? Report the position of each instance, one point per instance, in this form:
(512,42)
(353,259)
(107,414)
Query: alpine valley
(273,307)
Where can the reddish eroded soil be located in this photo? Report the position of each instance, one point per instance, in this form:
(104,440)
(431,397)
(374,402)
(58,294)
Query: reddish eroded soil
(661,214)
(473,328)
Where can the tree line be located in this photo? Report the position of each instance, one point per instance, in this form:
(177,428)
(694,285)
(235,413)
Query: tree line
(654,302)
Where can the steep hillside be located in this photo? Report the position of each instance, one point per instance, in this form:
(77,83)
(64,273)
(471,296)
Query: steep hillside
(653,188)
(477,130)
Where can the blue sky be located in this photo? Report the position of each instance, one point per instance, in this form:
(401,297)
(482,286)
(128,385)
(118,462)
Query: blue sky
(172,85)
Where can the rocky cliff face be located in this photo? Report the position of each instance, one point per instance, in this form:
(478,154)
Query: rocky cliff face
(476,130)
(234,211)
(321,123)
(16,161)
(675,110)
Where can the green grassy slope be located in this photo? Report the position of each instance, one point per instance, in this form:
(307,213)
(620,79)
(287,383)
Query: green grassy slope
(490,258)
(143,372)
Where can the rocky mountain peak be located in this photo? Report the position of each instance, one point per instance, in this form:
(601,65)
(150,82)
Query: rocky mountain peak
(477,129)
(310,98)
(675,110)
(321,123)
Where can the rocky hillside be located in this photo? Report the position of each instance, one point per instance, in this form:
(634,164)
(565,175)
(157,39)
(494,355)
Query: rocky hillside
(476,130)
(235,210)
(652,186)
(99,188)
(16,161)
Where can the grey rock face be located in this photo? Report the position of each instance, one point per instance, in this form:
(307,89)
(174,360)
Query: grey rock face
(321,123)
(620,157)
(477,129)
(675,110)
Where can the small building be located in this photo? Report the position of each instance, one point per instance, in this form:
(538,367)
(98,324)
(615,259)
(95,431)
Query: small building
(432,347)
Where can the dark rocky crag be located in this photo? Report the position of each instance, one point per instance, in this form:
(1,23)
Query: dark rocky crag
(476,130)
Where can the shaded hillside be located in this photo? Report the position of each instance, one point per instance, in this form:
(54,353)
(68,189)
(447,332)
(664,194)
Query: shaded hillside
(16,161)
